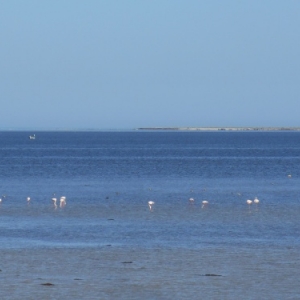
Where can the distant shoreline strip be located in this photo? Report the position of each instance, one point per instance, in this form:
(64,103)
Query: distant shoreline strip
(222,128)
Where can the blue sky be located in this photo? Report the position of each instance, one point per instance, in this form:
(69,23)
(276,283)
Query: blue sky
(125,64)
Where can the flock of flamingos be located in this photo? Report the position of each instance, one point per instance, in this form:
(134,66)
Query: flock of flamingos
(63,202)
(204,203)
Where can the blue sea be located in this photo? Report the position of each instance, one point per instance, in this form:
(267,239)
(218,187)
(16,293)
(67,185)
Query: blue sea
(106,243)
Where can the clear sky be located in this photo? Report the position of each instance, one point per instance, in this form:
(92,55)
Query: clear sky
(108,64)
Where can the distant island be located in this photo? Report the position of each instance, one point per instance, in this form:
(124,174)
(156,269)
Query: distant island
(223,128)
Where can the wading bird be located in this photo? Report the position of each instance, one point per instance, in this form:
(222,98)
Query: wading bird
(249,202)
(256,201)
(204,203)
(62,201)
(54,199)
(151,204)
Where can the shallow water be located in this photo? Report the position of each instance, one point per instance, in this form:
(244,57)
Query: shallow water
(111,272)
(107,244)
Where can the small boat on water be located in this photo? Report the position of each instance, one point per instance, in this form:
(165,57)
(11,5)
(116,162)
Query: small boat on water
(32,137)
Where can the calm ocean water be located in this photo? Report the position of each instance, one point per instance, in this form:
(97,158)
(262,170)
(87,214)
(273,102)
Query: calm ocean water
(106,243)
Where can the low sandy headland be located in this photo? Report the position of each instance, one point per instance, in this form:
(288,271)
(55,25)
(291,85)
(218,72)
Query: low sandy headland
(223,128)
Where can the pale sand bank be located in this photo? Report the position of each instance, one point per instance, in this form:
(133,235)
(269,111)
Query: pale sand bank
(223,128)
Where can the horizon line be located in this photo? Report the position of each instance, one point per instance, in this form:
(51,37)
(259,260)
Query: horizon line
(169,128)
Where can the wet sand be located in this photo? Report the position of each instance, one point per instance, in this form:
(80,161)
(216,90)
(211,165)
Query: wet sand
(112,272)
